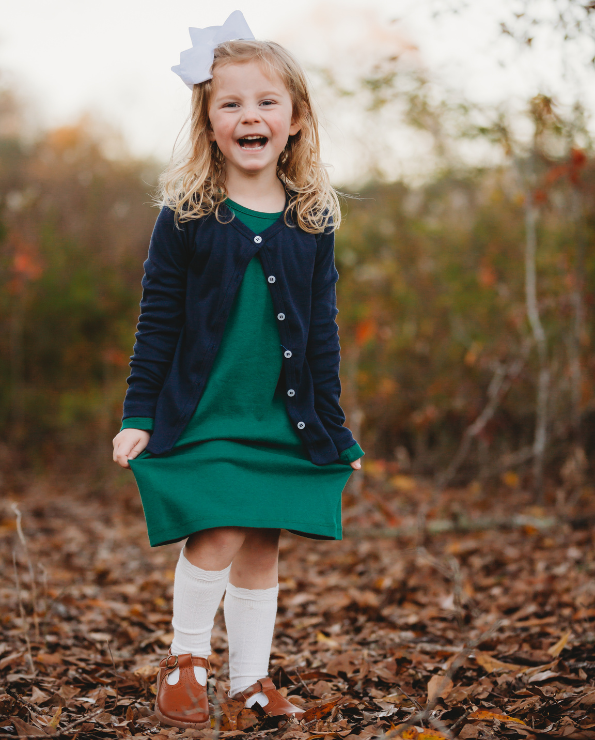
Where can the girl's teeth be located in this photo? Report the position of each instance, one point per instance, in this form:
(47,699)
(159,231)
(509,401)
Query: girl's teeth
(252,143)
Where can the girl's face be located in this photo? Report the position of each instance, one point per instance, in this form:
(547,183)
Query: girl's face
(251,116)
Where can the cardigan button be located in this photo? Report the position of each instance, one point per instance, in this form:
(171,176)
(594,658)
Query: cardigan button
(280,316)
(291,392)
(271,278)
(257,239)
(287,353)
(300,425)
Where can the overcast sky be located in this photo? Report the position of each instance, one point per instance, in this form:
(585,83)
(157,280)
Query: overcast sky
(113,58)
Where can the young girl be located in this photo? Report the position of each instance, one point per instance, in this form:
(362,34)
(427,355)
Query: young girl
(232,423)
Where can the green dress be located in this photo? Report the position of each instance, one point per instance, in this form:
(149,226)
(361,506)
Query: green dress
(239,462)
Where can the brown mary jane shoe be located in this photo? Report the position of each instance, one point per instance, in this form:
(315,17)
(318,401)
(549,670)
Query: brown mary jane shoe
(277,705)
(185,703)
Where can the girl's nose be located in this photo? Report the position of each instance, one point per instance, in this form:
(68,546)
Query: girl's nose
(251,114)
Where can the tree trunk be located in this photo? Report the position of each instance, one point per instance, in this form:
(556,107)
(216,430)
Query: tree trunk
(543,381)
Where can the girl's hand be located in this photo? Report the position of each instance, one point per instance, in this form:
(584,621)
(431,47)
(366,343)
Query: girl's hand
(356,464)
(128,444)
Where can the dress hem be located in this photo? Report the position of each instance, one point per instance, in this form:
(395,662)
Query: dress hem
(168,536)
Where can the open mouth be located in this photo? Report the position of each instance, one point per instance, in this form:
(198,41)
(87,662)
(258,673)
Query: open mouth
(253,143)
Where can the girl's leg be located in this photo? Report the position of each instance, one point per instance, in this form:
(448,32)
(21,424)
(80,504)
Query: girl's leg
(250,608)
(201,576)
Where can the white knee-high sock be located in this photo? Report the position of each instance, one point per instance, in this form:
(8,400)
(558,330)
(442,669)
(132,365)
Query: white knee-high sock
(250,621)
(197,595)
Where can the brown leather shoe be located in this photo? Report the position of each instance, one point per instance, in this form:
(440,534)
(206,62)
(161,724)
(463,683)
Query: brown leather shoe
(185,703)
(277,705)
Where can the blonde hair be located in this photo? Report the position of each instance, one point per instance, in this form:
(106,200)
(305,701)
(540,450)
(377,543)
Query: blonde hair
(193,185)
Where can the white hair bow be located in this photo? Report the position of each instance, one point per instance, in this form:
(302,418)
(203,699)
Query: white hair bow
(195,63)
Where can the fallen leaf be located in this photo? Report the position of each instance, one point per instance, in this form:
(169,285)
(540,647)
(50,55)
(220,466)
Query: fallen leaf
(320,710)
(246,718)
(344,663)
(11,659)
(543,676)
(321,637)
(415,733)
(471,731)
(439,687)
(147,672)
(38,696)
(556,649)
(67,692)
(48,658)
(24,729)
(486,714)
(56,718)
(491,664)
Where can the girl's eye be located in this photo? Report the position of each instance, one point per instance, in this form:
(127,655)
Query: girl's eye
(228,105)
(268,102)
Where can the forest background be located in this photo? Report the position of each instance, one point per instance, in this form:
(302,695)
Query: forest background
(465,309)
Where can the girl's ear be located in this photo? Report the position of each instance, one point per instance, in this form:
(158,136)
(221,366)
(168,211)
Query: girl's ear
(295,125)
(210,133)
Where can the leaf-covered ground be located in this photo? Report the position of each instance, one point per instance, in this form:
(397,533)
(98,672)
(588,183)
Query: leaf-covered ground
(481,633)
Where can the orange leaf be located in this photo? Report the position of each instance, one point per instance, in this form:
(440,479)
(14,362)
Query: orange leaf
(556,649)
(490,664)
(412,733)
(487,276)
(48,658)
(365,331)
(26,265)
(56,718)
(485,714)
(319,711)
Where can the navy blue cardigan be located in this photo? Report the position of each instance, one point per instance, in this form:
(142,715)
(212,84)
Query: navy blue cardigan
(191,277)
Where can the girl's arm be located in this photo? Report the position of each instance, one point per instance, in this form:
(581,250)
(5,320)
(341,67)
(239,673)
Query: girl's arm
(323,350)
(162,315)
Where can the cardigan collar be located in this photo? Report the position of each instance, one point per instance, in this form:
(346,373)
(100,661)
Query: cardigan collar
(269,231)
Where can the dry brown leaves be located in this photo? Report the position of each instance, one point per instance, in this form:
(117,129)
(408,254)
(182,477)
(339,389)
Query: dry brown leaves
(473,635)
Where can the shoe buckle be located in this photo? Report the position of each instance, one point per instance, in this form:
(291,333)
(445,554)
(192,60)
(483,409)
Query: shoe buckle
(169,665)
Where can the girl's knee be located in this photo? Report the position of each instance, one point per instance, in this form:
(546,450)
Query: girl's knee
(261,548)
(217,540)
(266,540)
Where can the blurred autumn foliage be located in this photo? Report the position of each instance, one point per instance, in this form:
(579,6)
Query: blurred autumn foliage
(448,355)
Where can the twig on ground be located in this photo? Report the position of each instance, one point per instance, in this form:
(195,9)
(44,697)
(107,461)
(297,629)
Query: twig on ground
(22,612)
(23,541)
(410,698)
(80,720)
(454,728)
(115,671)
(303,683)
(22,701)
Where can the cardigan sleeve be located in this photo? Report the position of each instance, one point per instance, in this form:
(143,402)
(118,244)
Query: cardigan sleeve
(162,315)
(138,422)
(323,351)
